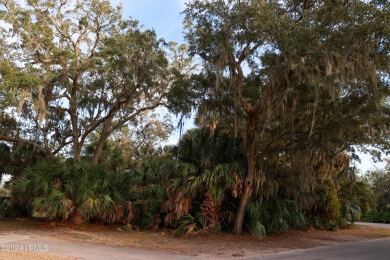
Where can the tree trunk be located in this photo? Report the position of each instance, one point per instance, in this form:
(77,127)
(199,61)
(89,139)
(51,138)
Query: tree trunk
(106,132)
(97,153)
(248,185)
(77,152)
(73,119)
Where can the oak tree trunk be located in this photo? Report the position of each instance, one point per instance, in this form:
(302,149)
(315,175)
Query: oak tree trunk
(100,145)
(251,164)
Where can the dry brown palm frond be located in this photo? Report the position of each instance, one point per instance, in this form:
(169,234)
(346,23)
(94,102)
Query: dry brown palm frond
(237,189)
(113,214)
(182,205)
(210,213)
(170,219)
(68,204)
(70,212)
(77,218)
(191,228)
(238,185)
(155,224)
(129,211)
(176,206)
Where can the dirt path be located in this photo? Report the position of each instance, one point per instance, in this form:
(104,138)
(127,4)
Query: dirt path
(40,246)
(99,242)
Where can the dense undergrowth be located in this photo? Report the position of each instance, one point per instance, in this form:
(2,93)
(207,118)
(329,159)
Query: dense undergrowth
(193,187)
(377,216)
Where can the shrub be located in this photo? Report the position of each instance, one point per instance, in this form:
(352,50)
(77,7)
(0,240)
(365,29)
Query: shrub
(350,212)
(70,190)
(274,215)
(377,217)
(5,204)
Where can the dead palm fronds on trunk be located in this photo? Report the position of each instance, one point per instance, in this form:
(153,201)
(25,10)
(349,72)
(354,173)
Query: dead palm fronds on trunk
(209,172)
(210,212)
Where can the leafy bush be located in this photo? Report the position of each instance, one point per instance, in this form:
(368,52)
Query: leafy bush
(377,217)
(274,216)
(350,212)
(187,224)
(5,205)
(72,190)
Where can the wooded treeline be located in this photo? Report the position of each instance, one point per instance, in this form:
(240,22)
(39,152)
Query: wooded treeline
(284,92)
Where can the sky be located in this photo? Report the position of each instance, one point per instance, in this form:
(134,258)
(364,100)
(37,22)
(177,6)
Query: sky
(161,15)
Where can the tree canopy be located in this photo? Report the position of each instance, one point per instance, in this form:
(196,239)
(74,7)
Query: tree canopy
(337,52)
(74,69)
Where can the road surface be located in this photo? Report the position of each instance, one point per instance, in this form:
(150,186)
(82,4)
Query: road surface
(374,249)
(380,225)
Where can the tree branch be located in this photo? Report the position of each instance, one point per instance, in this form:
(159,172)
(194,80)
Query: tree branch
(18,140)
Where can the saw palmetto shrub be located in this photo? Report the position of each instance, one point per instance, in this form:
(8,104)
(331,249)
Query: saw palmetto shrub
(274,215)
(72,190)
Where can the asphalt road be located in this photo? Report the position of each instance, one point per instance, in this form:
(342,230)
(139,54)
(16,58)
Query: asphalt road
(374,249)
(381,225)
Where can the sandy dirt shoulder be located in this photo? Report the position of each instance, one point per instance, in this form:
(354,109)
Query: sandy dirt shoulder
(203,245)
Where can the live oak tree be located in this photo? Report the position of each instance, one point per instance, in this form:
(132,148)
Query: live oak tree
(129,146)
(268,49)
(82,69)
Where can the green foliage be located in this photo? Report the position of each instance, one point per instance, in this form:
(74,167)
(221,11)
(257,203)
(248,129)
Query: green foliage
(377,217)
(14,159)
(254,215)
(212,162)
(110,71)
(151,179)
(209,171)
(275,215)
(5,157)
(351,212)
(315,83)
(112,155)
(258,230)
(356,196)
(331,201)
(362,196)
(187,223)
(380,184)
(72,190)
(5,205)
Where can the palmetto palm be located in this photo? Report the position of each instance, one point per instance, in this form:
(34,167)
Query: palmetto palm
(210,166)
(72,190)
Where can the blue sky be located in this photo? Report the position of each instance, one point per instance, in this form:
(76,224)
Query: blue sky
(161,15)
